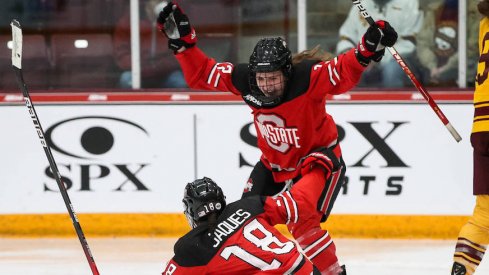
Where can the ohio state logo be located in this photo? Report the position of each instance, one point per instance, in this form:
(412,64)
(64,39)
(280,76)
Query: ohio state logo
(279,137)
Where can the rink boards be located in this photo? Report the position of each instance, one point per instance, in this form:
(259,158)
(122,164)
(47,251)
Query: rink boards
(125,162)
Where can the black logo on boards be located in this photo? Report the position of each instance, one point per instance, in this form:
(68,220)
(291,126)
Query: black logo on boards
(377,144)
(94,145)
(95,139)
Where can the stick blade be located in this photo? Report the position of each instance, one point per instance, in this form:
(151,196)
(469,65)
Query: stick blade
(16,44)
(454,132)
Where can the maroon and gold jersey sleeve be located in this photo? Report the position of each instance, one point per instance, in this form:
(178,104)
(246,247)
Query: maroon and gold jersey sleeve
(335,76)
(481,95)
(172,268)
(204,73)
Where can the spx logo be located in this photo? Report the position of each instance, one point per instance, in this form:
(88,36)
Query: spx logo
(378,146)
(96,147)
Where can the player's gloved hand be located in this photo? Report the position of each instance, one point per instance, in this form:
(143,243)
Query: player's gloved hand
(174,24)
(373,43)
(323,157)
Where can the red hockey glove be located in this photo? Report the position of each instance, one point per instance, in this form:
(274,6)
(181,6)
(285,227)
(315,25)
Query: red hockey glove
(323,157)
(373,43)
(174,24)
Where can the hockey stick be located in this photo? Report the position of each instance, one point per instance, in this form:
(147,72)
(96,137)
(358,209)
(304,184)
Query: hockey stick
(17,66)
(411,76)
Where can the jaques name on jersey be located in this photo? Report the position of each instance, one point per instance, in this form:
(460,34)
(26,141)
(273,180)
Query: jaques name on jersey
(228,226)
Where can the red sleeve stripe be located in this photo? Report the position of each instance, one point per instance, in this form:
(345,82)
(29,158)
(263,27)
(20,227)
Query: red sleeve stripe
(211,75)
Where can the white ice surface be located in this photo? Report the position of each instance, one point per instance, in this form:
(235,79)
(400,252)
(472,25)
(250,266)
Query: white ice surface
(121,256)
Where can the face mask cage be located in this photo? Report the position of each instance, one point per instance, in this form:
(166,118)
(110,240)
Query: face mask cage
(260,95)
(188,214)
(269,55)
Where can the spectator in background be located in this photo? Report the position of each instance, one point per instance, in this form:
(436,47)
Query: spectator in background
(437,47)
(473,238)
(159,69)
(405,17)
(473,20)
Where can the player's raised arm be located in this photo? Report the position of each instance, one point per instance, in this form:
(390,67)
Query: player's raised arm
(343,72)
(174,24)
(200,71)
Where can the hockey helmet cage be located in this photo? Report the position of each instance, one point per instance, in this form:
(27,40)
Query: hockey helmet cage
(201,198)
(269,55)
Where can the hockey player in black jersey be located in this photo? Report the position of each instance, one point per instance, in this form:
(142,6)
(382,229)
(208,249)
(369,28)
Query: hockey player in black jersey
(240,238)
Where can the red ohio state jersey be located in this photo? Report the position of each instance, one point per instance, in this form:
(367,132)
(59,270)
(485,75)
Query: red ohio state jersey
(244,240)
(297,126)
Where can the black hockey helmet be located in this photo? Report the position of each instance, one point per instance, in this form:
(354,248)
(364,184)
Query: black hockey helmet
(201,198)
(269,55)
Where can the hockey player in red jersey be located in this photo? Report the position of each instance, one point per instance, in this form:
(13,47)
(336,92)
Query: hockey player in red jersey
(240,238)
(288,105)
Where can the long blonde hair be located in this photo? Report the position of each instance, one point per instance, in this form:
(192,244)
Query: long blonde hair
(315,53)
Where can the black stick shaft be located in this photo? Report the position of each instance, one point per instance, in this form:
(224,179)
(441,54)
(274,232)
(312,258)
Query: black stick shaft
(47,150)
(54,169)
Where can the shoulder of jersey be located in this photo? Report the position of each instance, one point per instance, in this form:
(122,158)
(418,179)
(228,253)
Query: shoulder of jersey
(300,81)
(197,248)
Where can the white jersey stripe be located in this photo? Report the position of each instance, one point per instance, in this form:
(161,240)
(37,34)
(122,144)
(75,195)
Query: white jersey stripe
(334,70)
(331,75)
(217,79)
(330,185)
(209,79)
(311,246)
(327,198)
(294,206)
(286,207)
(296,264)
(320,249)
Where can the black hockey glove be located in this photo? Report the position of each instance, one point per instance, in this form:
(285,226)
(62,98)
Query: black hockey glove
(174,24)
(373,43)
(323,157)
